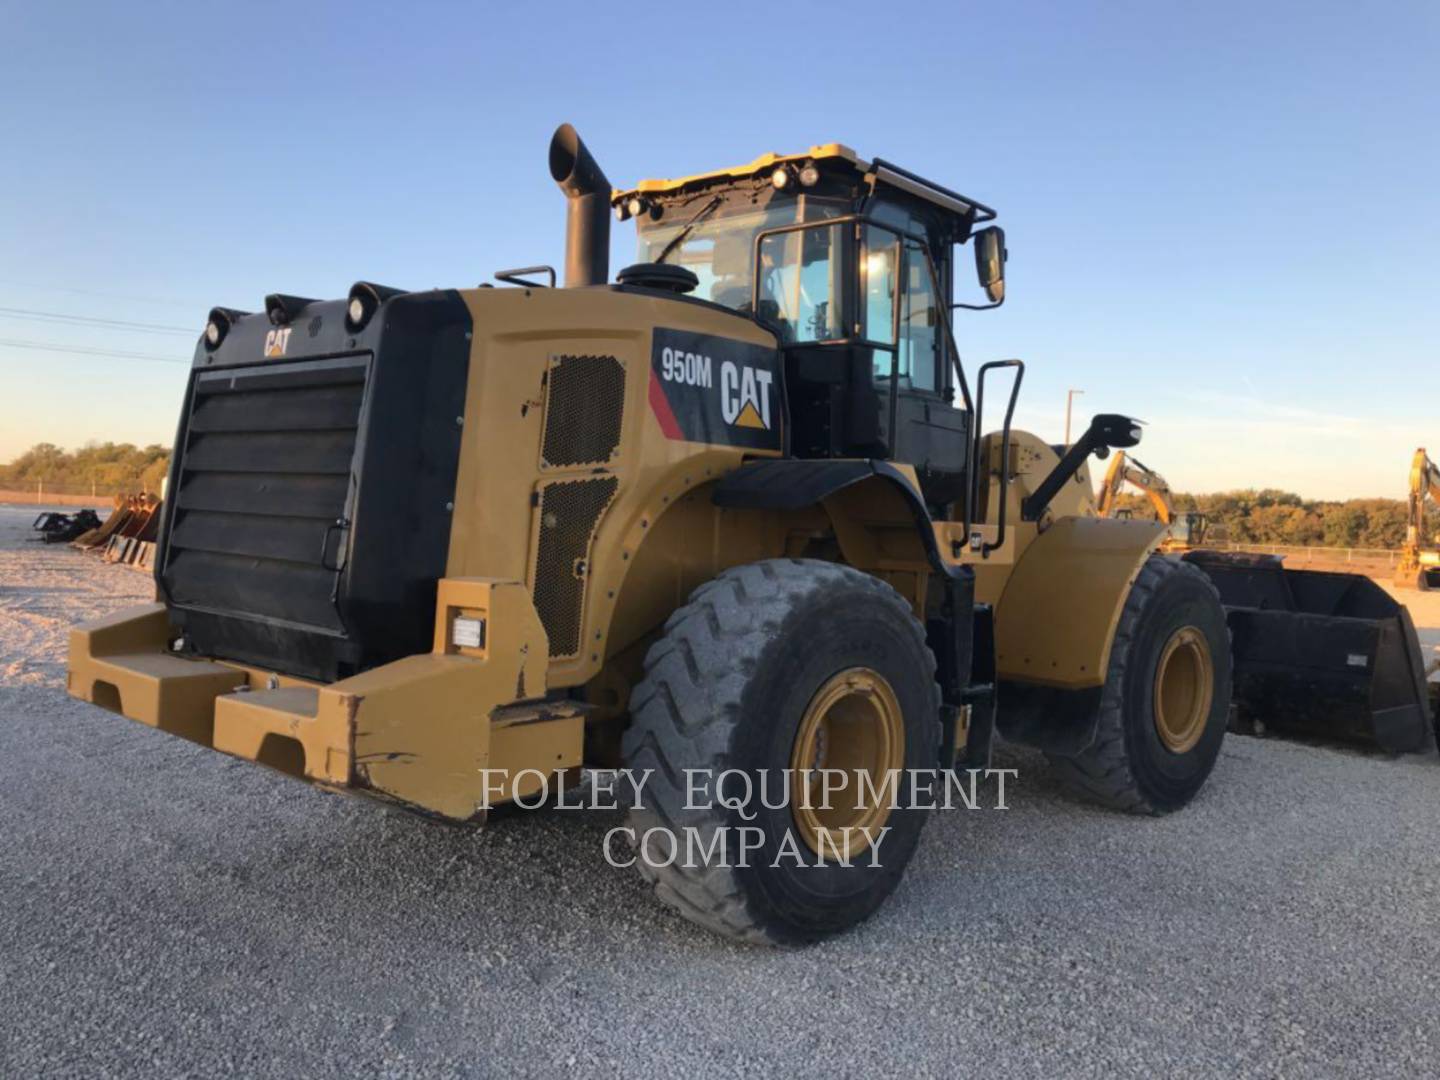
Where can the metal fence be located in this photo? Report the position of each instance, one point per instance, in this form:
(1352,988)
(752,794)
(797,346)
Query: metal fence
(43,491)
(1298,553)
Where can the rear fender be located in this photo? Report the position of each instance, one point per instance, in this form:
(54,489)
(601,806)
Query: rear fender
(843,485)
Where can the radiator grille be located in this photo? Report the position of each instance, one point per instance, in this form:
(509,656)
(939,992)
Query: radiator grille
(569,512)
(584,410)
(264,476)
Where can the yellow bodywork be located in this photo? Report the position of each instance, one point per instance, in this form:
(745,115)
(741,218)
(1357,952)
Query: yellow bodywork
(518,334)
(1057,585)
(449,732)
(458,729)
(1055,620)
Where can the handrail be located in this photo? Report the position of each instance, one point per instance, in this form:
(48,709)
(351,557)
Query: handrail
(978,437)
(520,273)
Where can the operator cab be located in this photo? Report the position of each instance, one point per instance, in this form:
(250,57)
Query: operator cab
(1190,528)
(850,264)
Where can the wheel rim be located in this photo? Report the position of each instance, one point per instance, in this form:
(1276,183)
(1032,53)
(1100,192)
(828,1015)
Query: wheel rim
(1184,689)
(853,724)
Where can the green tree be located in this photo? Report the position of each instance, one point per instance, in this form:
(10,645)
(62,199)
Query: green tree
(109,468)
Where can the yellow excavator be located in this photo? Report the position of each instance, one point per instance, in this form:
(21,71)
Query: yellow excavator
(1419,563)
(1187,528)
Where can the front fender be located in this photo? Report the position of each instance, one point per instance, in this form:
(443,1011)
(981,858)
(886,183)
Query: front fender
(1055,626)
(1056,617)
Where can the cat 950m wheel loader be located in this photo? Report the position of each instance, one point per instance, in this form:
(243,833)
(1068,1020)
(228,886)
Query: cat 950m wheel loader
(734,511)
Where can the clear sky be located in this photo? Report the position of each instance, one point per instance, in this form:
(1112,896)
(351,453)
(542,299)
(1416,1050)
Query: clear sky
(1223,218)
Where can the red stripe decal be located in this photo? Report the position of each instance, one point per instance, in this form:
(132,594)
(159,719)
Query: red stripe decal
(660,406)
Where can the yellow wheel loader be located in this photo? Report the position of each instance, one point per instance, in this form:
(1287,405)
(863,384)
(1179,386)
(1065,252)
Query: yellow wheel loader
(732,514)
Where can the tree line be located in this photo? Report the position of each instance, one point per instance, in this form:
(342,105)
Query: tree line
(105,468)
(1271,516)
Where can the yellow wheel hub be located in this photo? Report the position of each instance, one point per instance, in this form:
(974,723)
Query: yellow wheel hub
(853,725)
(1184,689)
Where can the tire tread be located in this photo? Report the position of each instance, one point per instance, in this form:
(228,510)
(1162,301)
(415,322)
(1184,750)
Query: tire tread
(689,701)
(1102,772)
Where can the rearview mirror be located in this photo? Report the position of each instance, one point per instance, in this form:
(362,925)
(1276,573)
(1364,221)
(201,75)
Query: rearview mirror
(990,261)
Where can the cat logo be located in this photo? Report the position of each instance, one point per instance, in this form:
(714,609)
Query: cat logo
(715,390)
(277,341)
(745,395)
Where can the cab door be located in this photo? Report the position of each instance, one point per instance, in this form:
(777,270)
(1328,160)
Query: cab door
(900,283)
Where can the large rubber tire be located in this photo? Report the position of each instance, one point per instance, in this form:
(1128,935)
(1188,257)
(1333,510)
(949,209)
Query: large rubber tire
(1128,766)
(726,687)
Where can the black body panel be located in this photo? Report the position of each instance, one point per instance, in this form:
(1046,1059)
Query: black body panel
(934,437)
(838,409)
(787,484)
(312,486)
(833,402)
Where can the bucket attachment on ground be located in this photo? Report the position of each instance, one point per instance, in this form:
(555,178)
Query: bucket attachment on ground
(59,528)
(1322,653)
(100,535)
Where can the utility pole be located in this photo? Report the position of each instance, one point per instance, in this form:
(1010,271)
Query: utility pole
(1069,401)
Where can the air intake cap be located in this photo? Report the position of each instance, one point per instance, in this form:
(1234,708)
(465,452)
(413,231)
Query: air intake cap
(662,277)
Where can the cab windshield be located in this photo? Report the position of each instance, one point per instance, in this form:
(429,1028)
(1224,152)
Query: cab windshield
(719,249)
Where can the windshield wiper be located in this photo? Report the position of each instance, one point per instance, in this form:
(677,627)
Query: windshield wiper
(688,228)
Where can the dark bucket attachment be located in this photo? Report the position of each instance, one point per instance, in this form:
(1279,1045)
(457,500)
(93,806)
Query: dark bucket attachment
(57,528)
(1321,653)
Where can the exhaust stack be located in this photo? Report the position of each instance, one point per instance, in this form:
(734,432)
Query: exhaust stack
(587,221)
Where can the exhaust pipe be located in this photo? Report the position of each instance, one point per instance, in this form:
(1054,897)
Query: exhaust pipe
(587,221)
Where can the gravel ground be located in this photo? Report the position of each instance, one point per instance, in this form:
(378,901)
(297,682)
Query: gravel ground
(164,909)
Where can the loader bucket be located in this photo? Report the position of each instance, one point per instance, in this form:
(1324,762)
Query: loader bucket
(1321,653)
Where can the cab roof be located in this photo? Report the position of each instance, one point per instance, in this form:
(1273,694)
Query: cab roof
(837,153)
(763,163)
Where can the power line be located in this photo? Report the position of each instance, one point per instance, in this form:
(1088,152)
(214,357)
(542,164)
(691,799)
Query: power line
(129,297)
(112,353)
(93,320)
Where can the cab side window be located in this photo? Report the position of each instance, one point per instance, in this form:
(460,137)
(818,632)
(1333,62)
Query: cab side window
(879,283)
(913,288)
(919,321)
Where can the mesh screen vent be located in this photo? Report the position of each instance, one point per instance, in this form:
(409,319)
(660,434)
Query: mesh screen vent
(569,511)
(584,408)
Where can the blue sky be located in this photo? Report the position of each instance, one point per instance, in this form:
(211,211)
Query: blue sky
(1222,218)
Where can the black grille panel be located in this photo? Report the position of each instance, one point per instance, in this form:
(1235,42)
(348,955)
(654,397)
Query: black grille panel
(298,496)
(273,451)
(293,592)
(264,476)
(348,443)
(569,512)
(584,410)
